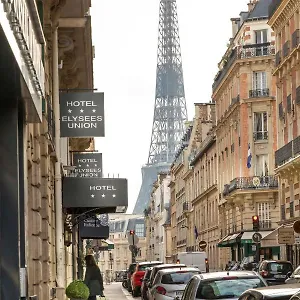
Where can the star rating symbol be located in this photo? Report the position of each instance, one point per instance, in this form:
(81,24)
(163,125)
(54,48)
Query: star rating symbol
(103,195)
(95,165)
(69,111)
(114,195)
(87,165)
(92,196)
(81,110)
(79,166)
(94,110)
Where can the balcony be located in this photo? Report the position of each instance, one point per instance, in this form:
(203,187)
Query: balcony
(273,7)
(260,136)
(295,38)
(251,183)
(287,152)
(259,93)
(243,52)
(256,50)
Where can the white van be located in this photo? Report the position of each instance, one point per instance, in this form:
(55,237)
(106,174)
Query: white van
(194,259)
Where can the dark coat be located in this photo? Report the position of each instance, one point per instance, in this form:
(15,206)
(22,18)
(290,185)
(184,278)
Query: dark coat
(93,279)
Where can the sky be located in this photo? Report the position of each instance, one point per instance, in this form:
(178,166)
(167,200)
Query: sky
(125,37)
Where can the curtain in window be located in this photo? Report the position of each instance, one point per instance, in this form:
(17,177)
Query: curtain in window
(259,80)
(262,165)
(261,36)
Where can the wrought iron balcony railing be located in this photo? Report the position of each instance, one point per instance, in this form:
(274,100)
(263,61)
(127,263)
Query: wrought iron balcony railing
(273,7)
(185,206)
(278,58)
(260,135)
(256,50)
(254,183)
(286,49)
(49,114)
(295,38)
(258,93)
(287,152)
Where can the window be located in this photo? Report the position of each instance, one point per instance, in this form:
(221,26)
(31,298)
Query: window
(261,36)
(264,214)
(262,165)
(260,125)
(259,81)
(139,230)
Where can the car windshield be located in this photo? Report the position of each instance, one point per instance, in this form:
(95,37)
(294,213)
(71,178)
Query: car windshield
(279,268)
(227,288)
(181,277)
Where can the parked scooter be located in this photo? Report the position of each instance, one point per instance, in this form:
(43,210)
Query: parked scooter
(125,281)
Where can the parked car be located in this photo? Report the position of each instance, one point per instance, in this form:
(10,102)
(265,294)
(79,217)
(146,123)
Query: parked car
(161,267)
(130,271)
(275,271)
(144,286)
(277,292)
(293,277)
(170,283)
(139,274)
(297,295)
(221,285)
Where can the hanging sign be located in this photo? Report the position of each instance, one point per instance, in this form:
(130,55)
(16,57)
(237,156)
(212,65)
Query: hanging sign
(87,164)
(95,228)
(82,114)
(109,195)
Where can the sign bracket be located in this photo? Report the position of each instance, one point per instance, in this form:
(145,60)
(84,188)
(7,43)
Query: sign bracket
(72,222)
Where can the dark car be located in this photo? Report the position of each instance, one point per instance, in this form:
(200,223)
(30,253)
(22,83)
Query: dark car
(275,271)
(144,286)
(278,292)
(130,271)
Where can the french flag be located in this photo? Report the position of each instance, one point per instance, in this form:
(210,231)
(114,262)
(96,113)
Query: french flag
(249,157)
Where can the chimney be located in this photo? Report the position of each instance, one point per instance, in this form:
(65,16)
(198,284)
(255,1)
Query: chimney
(235,22)
(251,5)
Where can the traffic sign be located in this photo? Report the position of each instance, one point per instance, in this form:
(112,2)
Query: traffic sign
(202,245)
(133,239)
(256,237)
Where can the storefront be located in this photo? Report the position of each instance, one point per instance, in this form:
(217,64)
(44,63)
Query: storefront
(242,246)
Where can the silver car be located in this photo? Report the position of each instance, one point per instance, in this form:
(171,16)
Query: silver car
(169,283)
(221,285)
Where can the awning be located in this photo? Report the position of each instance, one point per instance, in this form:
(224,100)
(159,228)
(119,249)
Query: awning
(247,236)
(224,242)
(234,237)
(271,240)
(107,243)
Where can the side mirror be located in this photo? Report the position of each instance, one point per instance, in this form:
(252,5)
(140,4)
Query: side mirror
(288,275)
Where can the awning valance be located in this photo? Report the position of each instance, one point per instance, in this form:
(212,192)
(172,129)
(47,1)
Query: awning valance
(247,236)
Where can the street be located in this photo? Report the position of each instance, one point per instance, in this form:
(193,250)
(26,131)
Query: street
(115,291)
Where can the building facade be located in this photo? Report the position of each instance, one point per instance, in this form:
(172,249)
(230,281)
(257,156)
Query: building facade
(157,220)
(33,155)
(246,135)
(120,257)
(285,21)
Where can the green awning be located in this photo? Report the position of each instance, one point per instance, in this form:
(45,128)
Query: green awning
(107,243)
(247,236)
(225,241)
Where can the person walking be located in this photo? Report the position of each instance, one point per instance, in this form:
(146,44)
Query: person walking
(93,278)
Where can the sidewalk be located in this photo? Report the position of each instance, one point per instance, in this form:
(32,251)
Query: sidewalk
(114,291)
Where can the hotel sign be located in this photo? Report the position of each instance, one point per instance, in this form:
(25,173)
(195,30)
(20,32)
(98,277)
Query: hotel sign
(19,17)
(95,228)
(82,114)
(85,194)
(87,164)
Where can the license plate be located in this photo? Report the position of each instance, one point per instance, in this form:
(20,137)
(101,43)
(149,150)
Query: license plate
(279,276)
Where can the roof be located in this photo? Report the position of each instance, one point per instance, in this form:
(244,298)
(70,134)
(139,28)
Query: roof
(150,263)
(261,10)
(173,270)
(214,275)
(165,266)
(278,290)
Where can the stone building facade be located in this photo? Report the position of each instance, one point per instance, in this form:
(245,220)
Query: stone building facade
(285,21)
(246,135)
(41,78)
(157,220)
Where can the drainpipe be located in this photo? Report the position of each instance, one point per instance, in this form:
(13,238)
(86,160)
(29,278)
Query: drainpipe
(60,250)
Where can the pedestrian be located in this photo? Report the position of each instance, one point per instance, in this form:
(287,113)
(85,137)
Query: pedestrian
(93,278)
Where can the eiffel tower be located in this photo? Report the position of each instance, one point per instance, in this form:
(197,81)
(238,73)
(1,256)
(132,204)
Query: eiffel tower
(170,113)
